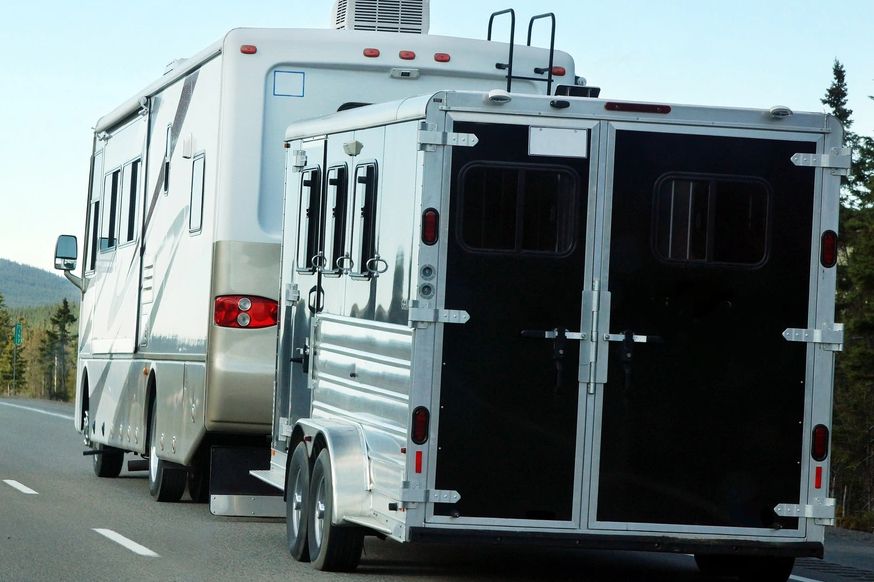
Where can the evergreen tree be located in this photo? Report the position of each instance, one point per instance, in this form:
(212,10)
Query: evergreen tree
(13,369)
(58,340)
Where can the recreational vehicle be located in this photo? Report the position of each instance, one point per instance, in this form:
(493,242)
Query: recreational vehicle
(525,319)
(180,269)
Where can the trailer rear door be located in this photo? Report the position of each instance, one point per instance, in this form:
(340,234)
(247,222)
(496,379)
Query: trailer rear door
(709,239)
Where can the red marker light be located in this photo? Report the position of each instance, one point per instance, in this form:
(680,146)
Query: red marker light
(829,249)
(442,57)
(819,447)
(430,226)
(248,49)
(371,52)
(558,71)
(407,55)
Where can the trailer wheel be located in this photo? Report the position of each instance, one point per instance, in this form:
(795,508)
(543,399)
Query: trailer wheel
(166,483)
(764,568)
(333,548)
(297,491)
(109,462)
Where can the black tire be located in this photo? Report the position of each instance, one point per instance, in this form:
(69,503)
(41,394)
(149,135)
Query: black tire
(198,484)
(333,548)
(297,494)
(748,568)
(108,463)
(166,482)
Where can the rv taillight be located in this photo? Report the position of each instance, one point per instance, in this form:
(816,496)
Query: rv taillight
(829,249)
(421,418)
(248,49)
(442,57)
(407,55)
(637,107)
(243,311)
(430,226)
(558,71)
(819,447)
(371,52)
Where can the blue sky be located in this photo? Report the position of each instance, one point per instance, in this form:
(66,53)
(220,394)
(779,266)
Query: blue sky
(64,64)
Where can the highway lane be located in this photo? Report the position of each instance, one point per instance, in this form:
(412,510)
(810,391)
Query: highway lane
(50,532)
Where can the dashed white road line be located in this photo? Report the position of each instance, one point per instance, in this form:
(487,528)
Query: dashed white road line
(802,579)
(46,412)
(23,488)
(129,544)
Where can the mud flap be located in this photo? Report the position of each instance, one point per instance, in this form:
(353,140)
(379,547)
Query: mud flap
(234,492)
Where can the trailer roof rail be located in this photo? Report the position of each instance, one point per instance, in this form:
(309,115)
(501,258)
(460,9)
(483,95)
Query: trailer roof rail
(508,66)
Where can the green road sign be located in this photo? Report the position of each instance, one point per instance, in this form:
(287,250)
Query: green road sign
(16,336)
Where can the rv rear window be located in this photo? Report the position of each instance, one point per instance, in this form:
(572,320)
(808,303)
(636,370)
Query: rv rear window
(517,208)
(711,220)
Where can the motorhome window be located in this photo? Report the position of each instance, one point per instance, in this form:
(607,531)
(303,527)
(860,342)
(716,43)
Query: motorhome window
(364,219)
(309,220)
(711,220)
(129,189)
(195,215)
(109,221)
(167,154)
(517,208)
(335,217)
(93,212)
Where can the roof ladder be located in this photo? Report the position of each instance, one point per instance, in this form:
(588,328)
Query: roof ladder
(508,66)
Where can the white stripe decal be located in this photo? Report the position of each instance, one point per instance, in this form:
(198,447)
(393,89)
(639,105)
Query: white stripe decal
(46,412)
(802,579)
(23,488)
(129,544)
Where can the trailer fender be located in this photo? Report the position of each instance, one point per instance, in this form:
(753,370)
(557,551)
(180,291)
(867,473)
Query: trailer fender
(347,446)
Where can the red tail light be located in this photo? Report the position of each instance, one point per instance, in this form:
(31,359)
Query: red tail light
(244,311)
(430,226)
(819,447)
(829,249)
(421,419)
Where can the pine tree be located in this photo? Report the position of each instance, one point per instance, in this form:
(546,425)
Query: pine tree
(61,319)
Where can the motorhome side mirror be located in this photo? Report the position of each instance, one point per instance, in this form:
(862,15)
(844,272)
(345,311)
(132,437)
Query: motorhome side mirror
(66,252)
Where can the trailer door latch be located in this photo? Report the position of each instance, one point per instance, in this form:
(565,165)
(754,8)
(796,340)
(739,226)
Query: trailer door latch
(821,509)
(830,336)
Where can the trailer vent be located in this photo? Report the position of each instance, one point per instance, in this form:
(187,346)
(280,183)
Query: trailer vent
(410,16)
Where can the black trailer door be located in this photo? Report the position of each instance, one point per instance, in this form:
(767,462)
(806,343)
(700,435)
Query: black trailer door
(508,435)
(710,252)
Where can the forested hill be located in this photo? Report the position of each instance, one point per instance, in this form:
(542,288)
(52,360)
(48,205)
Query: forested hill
(26,286)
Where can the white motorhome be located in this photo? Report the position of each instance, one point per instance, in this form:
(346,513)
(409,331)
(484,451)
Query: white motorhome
(180,275)
(559,320)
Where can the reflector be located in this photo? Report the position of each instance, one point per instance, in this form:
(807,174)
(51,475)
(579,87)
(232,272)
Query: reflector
(637,107)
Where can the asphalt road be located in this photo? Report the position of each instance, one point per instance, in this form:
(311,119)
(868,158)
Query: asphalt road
(60,522)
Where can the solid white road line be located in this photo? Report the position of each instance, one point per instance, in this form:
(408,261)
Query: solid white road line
(802,579)
(23,488)
(129,544)
(46,412)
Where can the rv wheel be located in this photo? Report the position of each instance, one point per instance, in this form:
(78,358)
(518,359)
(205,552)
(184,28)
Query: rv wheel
(166,482)
(764,568)
(333,548)
(109,462)
(297,490)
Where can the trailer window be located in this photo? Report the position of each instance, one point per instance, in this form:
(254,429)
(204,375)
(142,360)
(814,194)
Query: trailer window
(309,220)
(335,218)
(195,214)
(517,208)
(128,194)
(109,221)
(363,237)
(711,220)
(91,233)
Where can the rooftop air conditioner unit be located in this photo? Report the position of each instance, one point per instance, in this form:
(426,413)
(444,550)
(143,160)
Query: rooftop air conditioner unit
(410,16)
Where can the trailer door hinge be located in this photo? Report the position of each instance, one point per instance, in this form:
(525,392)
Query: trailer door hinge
(822,510)
(298,160)
(292,294)
(425,315)
(429,140)
(831,336)
(409,495)
(837,160)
